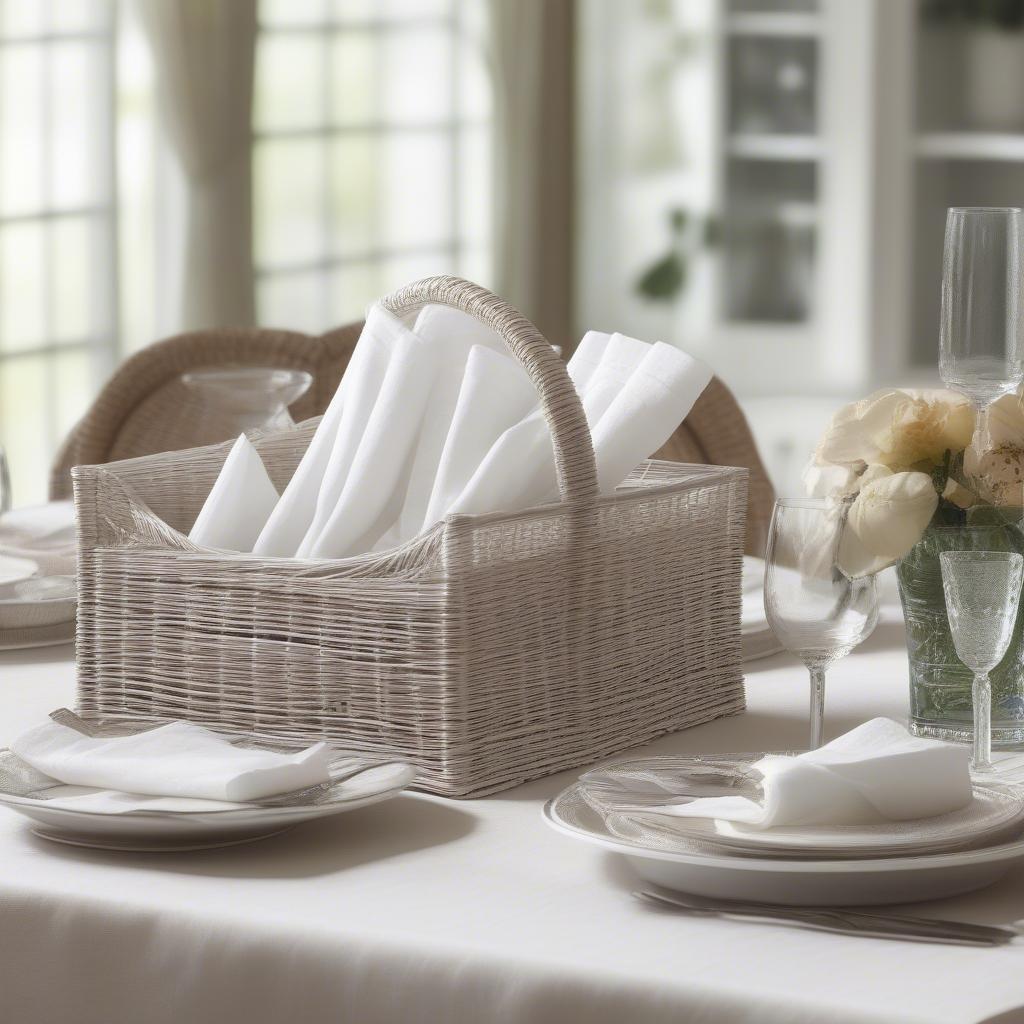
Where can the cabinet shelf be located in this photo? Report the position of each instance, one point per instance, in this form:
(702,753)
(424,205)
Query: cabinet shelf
(971,146)
(786,24)
(774,147)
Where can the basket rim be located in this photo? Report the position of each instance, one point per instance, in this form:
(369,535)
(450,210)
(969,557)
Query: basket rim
(691,477)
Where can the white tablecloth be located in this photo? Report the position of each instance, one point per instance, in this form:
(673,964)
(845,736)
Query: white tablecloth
(424,909)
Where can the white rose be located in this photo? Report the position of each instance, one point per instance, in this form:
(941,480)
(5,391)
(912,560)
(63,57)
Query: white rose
(887,518)
(898,429)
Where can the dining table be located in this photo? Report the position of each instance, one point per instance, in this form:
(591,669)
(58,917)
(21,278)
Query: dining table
(424,909)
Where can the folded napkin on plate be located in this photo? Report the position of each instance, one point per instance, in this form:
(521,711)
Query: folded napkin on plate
(239,504)
(43,534)
(175,760)
(874,773)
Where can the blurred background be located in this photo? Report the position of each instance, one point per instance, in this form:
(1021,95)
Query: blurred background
(761,182)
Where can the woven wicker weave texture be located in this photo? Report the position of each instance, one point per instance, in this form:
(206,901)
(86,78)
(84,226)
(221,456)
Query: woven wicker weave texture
(489,651)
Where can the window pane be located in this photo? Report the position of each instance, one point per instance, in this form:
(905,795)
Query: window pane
(355,84)
(354,194)
(417,185)
(78,266)
(354,288)
(289,190)
(293,301)
(73,388)
(474,92)
(416,76)
(475,264)
(290,82)
(22,286)
(79,15)
(22,18)
(292,12)
(402,270)
(475,184)
(78,112)
(22,104)
(23,426)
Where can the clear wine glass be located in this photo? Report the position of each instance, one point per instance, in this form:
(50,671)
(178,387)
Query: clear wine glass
(816,611)
(981,344)
(982,591)
(6,498)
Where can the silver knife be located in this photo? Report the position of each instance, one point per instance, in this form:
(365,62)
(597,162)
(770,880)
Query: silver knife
(841,919)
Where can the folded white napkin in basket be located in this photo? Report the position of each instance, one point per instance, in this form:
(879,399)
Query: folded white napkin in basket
(179,759)
(239,504)
(314,488)
(375,441)
(874,773)
(496,393)
(436,420)
(453,335)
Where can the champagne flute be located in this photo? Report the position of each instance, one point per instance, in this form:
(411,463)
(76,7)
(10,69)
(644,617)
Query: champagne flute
(981,345)
(816,611)
(982,591)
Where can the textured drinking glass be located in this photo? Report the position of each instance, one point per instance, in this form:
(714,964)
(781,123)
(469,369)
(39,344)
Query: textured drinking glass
(250,397)
(6,498)
(982,591)
(981,348)
(816,611)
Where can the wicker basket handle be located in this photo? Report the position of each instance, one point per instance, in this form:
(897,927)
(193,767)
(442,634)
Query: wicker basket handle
(563,410)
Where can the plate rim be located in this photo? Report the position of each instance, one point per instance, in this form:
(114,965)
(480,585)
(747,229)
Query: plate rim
(235,815)
(949,858)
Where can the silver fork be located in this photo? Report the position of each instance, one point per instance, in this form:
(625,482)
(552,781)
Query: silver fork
(839,919)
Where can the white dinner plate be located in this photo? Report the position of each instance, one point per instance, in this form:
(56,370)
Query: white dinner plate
(166,831)
(797,882)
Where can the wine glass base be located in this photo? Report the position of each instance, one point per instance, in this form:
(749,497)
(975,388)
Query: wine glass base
(1009,737)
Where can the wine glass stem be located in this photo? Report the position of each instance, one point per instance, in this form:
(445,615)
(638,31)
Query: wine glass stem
(982,439)
(817,707)
(981,760)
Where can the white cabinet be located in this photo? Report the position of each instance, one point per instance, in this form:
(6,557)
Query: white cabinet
(812,147)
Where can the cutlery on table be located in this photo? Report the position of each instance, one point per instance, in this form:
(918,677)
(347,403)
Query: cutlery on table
(839,919)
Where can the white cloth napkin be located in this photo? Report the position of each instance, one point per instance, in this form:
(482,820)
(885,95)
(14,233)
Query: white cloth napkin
(496,393)
(453,335)
(646,411)
(334,443)
(179,759)
(43,534)
(367,474)
(634,396)
(239,504)
(874,773)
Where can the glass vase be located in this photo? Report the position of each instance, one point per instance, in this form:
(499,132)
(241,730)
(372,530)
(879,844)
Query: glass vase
(940,685)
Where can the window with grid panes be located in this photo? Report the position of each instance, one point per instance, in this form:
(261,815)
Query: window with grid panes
(372,153)
(58,297)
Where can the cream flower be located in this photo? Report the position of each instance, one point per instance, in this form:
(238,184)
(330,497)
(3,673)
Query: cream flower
(887,518)
(898,429)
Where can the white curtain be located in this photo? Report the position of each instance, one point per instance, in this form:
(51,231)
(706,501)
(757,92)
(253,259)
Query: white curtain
(204,51)
(532,56)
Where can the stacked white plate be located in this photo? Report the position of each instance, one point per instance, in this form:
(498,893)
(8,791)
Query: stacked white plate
(886,863)
(65,814)
(38,597)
